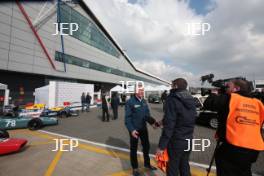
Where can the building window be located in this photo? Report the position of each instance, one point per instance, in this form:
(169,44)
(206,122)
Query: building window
(260,86)
(88,31)
(68,59)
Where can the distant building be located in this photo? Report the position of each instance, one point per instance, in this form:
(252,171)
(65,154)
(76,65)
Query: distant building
(31,55)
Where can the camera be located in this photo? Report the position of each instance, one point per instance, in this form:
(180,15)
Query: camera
(220,84)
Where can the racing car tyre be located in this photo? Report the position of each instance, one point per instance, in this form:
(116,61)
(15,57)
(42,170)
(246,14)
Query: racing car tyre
(4,134)
(34,124)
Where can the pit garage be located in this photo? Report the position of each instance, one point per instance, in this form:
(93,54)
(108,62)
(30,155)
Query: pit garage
(4,96)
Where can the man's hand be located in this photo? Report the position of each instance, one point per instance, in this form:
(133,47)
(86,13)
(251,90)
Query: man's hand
(159,123)
(159,152)
(156,125)
(134,133)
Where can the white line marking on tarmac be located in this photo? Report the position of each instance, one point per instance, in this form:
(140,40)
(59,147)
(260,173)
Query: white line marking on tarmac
(123,149)
(118,148)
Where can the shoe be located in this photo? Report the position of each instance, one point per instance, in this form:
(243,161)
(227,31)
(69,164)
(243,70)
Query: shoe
(151,167)
(136,172)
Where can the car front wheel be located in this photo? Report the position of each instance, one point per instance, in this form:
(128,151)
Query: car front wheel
(34,124)
(213,123)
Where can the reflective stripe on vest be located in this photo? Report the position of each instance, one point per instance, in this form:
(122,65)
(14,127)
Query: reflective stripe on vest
(244,122)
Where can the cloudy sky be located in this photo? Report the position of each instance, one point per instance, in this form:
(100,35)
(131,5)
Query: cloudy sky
(153,33)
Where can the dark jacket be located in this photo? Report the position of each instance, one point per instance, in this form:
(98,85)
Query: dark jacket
(179,120)
(115,102)
(83,99)
(104,102)
(137,114)
(88,99)
(164,96)
(123,97)
(220,104)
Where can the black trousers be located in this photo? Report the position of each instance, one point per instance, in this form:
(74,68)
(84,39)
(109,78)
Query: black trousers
(143,135)
(115,112)
(178,162)
(105,112)
(234,161)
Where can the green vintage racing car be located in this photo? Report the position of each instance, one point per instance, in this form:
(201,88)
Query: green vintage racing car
(7,123)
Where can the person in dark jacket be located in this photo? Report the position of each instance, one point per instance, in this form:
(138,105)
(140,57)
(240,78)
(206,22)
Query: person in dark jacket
(178,127)
(164,96)
(88,102)
(230,160)
(163,99)
(123,98)
(83,101)
(114,104)
(136,115)
(105,109)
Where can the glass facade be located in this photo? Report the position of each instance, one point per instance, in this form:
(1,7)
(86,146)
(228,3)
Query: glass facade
(87,32)
(99,67)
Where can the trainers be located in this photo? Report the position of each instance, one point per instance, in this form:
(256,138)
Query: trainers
(151,167)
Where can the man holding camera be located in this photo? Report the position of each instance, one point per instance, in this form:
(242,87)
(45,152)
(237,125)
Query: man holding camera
(136,115)
(240,120)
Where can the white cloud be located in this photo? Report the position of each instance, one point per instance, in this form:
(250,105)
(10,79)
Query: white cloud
(144,30)
(152,32)
(171,72)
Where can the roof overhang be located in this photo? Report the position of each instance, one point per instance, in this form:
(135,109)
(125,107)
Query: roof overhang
(107,33)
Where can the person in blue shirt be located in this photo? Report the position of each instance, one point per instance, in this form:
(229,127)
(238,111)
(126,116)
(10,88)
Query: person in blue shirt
(136,115)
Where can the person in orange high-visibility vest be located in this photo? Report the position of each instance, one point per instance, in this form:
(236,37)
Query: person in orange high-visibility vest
(240,120)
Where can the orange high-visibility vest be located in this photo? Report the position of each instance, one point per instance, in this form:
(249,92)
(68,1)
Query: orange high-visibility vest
(162,161)
(244,122)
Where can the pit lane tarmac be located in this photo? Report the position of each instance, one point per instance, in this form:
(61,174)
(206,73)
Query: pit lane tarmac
(88,159)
